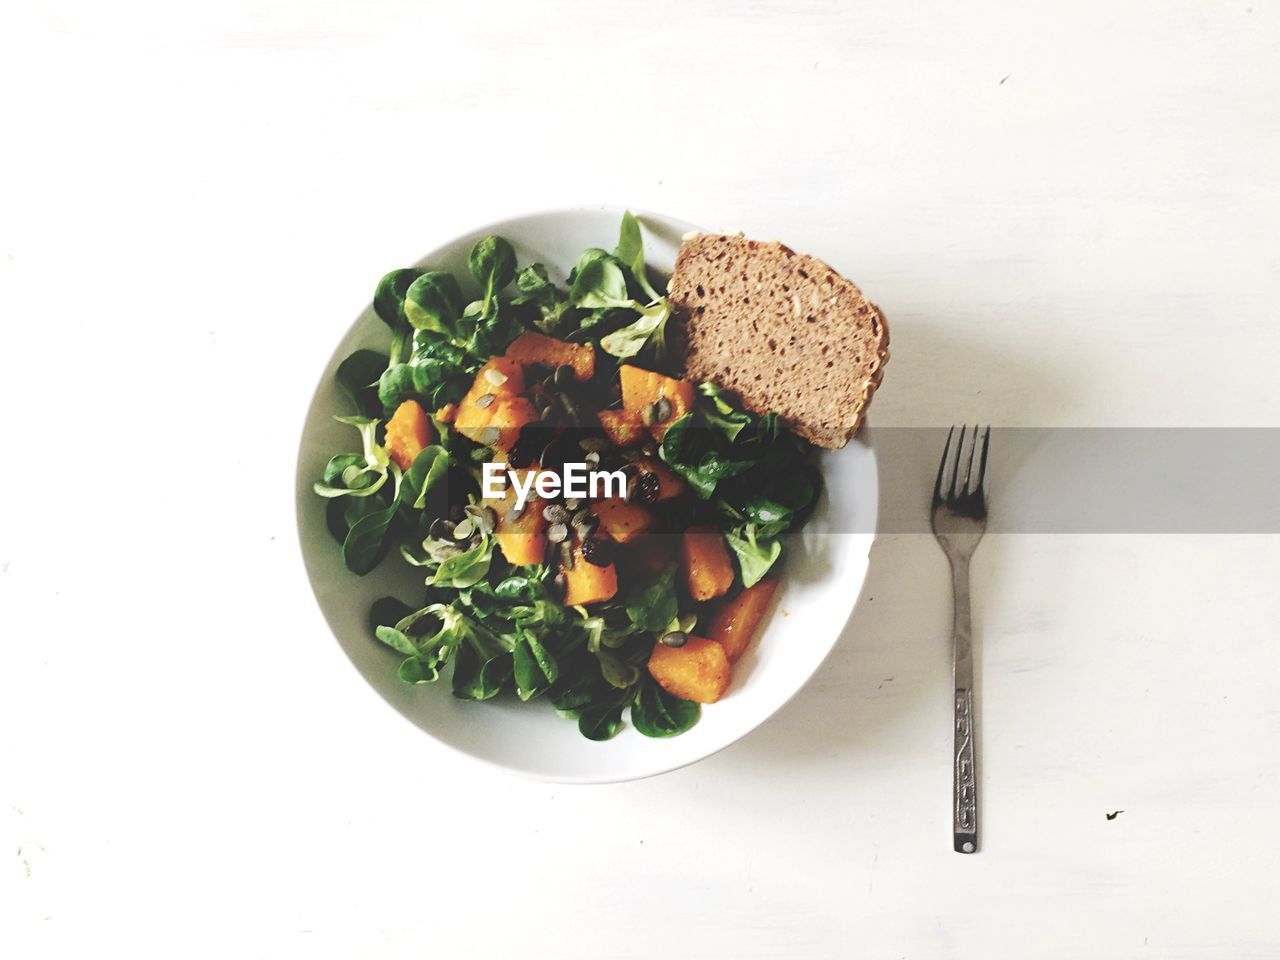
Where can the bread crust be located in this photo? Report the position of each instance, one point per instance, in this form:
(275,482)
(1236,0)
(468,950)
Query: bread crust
(782,330)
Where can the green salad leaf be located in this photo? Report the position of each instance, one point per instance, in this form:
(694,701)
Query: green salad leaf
(656,713)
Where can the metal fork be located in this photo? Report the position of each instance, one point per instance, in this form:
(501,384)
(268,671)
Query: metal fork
(959,520)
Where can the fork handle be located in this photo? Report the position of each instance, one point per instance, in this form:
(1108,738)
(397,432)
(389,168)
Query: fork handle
(964,779)
(964,824)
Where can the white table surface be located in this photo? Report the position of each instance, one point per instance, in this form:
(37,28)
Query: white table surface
(1069,211)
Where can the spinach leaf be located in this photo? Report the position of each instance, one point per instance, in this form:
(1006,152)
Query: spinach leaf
(387,611)
(650,328)
(722,414)
(653,604)
(425,655)
(617,671)
(656,713)
(388,299)
(536,289)
(366,542)
(690,449)
(425,472)
(442,371)
(357,377)
(535,669)
(466,569)
(360,477)
(492,262)
(434,302)
(630,251)
(395,386)
(483,665)
(756,555)
(598,283)
(602,720)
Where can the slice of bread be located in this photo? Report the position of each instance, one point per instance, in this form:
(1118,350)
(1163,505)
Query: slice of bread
(780,329)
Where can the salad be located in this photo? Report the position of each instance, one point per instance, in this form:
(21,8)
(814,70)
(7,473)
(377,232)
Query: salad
(632,597)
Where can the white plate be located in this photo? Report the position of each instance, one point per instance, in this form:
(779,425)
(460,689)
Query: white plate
(824,571)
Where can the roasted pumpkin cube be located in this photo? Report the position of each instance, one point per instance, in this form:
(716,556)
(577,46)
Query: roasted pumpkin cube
(531,347)
(587,583)
(510,414)
(522,539)
(698,671)
(447,412)
(409,432)
(623,428)
(622,521)
(670,484)
(503,381)
(643,387)
(736,622)
(708,570)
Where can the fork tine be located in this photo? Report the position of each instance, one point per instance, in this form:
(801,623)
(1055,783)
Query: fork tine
(955,470)
(982,463)
(968,470)
(942,466)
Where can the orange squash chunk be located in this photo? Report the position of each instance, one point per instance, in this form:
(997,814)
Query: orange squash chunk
(531,347)
(509,415)
(587,583)
(446,413)
(523,541)
(508,411)
(698,671)
(670,484)
(408,433)
(643,387)
(623,428)
(708,570)
(622,521)
(736,622)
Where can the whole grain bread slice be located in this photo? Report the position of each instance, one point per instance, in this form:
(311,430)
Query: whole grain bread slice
(782,330)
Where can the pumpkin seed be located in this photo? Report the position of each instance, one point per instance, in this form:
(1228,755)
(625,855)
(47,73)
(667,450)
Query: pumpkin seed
(544,411)
(464,529)
(580,515)
(662,410)
(488,519)
(489,436)
(557,533)
(444,551)
(573,504)
(495,377)
(649,414)
(676,638)
(688,621)
(554,513)
(559,583)
(592,459)
(566,555)
(514,514)
(594,444)
(564,375)
(570,408)
(441,529)
(486,401)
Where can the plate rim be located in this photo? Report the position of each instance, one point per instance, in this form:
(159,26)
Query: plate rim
(302,484)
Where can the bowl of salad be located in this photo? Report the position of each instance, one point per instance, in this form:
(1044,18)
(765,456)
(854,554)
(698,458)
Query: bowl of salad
(539,543)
